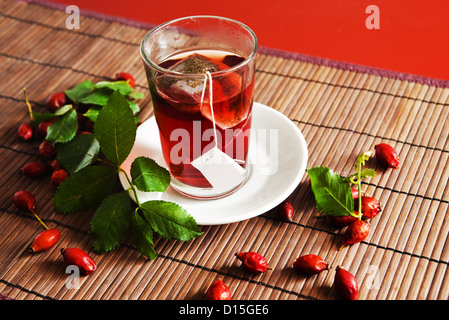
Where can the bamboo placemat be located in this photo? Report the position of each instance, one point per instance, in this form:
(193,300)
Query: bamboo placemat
(341,110)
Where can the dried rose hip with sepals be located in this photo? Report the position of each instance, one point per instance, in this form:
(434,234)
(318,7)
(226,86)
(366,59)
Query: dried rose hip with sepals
(253,261)
(355,233)
(370,207)
(25,131)
(58,177)
(218,291)
(47,150)
(341,221)
(25,201)
(79,258)
(310,264)
(387,155)
(35,169)
(346,284)
(56,101)
(286,210)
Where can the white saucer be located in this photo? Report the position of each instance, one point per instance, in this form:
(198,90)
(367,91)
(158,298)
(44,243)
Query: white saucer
(269,183)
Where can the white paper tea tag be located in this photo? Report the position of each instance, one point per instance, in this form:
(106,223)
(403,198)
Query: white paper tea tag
(222,172)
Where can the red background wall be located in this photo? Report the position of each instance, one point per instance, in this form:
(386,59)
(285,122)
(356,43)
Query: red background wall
(413,35)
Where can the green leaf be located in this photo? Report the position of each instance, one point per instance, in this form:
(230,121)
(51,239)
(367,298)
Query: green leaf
(170,220)
(134,107)
(63,110)
(122,86)
(92,113)
(142,235)
(97,97)
(148,176)
(115,129)
(85,189)
(80,91)
(111,222)
(362,158)
(41,117)
(136,95)
(64,128)
(82,151)
(332,192)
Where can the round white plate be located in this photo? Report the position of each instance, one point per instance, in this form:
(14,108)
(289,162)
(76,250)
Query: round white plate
(277,158)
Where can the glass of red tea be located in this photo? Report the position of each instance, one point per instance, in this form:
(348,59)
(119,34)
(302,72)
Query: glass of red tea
(201,73)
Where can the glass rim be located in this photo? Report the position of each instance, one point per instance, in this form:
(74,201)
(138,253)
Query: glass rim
(215,73)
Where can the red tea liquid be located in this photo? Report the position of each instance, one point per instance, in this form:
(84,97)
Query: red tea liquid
(185,118)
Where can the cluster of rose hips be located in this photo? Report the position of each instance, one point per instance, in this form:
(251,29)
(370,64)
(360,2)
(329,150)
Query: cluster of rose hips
(357,230)
(24,200)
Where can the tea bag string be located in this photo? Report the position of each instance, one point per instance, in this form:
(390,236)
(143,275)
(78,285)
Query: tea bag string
(208,77)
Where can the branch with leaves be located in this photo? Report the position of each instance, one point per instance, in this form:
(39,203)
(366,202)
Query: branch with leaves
(94,162)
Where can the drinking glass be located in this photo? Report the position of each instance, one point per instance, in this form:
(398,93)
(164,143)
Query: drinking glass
(201,72)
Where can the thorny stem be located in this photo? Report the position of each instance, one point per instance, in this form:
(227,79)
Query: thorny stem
(28,104)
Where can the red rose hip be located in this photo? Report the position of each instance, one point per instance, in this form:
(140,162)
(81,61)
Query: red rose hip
(25,131)
(35,169)
(56,101)
(386,155)
(79,258)
(355,233)
(58,177)
(45,240)
(46,150)
(346,284)
(253,261)
(24,200)
(127,77)
(370,207)
(42,128)
(310,264)
(286,210)
(218,291)
(341,221)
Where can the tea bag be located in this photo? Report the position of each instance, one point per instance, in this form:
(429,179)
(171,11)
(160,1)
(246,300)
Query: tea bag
(188,91)
(222,172)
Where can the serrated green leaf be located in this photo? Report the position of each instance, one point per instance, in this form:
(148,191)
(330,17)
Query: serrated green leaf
(85,189)
(110,223)
(134,107)
(148,176)
(63,129)
(170,220)
(98,97)
(41,117)
(80,91)
(92,113)
(82,151)
(122,86)
(142,235)
(115,129)
(332,192)
(136,95)
(63,110)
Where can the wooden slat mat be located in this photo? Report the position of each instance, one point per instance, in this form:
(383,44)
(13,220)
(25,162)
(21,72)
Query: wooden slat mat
(340,111)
